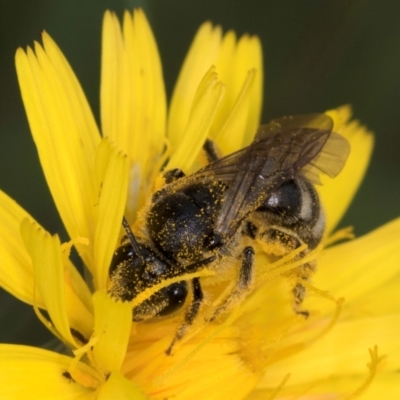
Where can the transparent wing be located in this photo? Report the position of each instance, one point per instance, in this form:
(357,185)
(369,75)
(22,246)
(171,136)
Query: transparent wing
(279,151)
(330,160)
(282,149)
(224,169)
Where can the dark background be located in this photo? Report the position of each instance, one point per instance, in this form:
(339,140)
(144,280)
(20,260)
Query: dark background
(318,55)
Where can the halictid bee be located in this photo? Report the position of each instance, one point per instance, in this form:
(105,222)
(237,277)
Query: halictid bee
(263,193)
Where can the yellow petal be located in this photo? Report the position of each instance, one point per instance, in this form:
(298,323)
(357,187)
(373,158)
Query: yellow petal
(204,108)
(343,352)
(29,372)
(380,301)
(80,315)
(231,136)
(240,68)
(112,175)
(113,322)
(118,387)
(113,67)
(201,56)
(45,252)
(217,364)
(250,48)
(225,66)
(76,283)
(64,131)
(133,100)
(356,268)
(336,194)
(384,385)
(243,77)
(16,274)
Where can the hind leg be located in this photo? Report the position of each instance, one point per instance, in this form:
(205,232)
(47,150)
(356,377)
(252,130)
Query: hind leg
(190,314)
(210,150)
(243,284)
(282,243)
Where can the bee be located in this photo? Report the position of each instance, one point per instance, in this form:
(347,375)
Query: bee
(262,193)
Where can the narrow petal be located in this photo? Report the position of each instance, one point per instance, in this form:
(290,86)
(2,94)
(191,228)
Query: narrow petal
(336,194)
(250,49)
(239,66)
(133,99)
(29,372)
(244,80)
(112,328)
(112,175)
(202,55)
(17,275)
(76,283)
(78,298)
(225,68)
(113,67)
(64,131)
(45,252)
(225,64)
(118,387)
(204,108)
(231,136)
(16,266)
(149,103)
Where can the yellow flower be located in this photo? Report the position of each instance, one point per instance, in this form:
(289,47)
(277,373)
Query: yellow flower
(261,350)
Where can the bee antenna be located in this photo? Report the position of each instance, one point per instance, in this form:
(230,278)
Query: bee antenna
(132,239)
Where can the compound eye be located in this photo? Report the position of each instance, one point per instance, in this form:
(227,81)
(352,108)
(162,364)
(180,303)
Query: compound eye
(286,198)
(164,302)
(176,296)
(212,241)
(122,254)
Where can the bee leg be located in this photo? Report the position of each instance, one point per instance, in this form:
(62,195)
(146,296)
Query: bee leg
(210,150)
(299,291)
(190,314)
(243,284)
(170,176)
(285,243)
(173,175)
